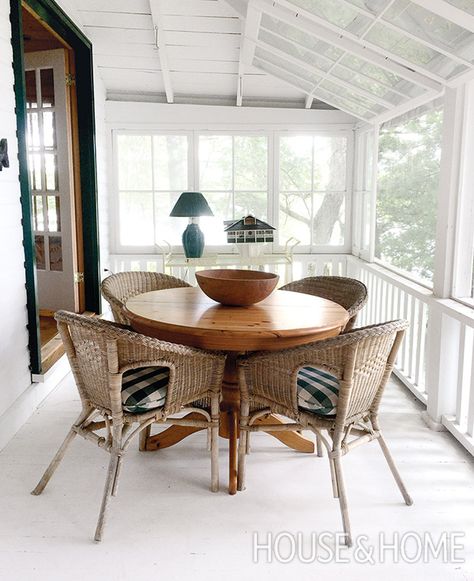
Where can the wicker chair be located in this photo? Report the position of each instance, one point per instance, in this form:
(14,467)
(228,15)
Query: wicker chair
(100,352)
(118,288)
(347,292)
(361,361)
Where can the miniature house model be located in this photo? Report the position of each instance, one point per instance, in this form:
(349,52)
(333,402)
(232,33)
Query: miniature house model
(249,230)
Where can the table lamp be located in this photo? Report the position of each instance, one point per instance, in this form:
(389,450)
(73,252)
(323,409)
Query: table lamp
(192,205)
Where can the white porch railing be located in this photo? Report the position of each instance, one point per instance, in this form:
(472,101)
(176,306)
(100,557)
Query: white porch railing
(436,359)
(303,265)
(394,297)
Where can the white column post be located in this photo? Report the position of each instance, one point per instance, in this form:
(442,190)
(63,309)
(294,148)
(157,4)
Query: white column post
(443,333)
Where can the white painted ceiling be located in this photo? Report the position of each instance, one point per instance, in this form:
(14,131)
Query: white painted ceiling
(370,58)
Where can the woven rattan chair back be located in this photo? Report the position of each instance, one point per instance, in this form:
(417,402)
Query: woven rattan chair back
(118,288)
(347,292)
(99,353)
(361,360)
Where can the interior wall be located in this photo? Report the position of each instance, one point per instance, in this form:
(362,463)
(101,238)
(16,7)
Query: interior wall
(14,356)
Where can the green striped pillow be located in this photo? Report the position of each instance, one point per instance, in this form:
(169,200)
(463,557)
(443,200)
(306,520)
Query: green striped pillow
(144,389)
(318,391)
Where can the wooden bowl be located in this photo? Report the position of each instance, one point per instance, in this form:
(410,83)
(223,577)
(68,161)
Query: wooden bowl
(239,288)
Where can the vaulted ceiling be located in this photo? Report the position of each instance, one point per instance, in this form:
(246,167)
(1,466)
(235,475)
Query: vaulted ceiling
(370,58)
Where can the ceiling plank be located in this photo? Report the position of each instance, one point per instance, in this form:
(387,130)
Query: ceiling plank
(449,12)
(160,42)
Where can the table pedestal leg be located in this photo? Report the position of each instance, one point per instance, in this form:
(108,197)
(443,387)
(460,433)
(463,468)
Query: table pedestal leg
(230,413)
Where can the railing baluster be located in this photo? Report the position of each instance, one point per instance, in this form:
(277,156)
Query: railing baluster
(470,402)
(413,307)
(460,389)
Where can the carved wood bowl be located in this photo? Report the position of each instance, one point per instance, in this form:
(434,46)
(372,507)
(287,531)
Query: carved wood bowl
(238,288)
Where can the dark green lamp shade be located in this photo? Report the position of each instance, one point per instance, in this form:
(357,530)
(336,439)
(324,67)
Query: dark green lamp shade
(191,205)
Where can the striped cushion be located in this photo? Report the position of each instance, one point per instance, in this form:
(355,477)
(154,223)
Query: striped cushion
(317,391)
(144,389)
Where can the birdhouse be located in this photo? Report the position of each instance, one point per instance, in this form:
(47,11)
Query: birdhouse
(248,230)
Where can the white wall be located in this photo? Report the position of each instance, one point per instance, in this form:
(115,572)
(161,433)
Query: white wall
(123,115)
(19,397)
(14,356)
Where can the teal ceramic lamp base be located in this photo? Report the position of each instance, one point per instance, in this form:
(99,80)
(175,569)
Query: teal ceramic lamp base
(193,241)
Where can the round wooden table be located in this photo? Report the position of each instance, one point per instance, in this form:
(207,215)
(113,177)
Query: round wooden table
(187,316)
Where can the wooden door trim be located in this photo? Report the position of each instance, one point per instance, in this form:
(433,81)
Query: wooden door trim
(58,21)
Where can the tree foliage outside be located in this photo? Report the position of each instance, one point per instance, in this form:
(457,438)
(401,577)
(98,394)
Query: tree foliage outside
(407,187)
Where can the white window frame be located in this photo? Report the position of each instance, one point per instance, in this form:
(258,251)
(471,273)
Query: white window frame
(344,248)
(231,248)
(116,246)
(273,134)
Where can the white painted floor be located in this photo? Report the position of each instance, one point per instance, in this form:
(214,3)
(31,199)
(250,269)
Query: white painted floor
(165,524)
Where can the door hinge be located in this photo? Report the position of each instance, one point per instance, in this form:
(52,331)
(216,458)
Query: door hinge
(78,277)
(70,80)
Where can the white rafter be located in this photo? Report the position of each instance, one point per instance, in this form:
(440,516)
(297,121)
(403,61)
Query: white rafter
(161,47)
(428,5)
(331,62)
(308,92)
(323,74)
(337,62)
(346,41)
(449,12)
(247,46)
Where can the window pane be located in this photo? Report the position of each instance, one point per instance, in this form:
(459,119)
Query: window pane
(408,175)
(38,213)
(254,203)
(49,138)
(330,164)
(170,162)
(328,223)
(136,219)
(55,253)
(312,181)
(47,87)
(166,228)
(51,173)
(30,86)
(134,162)
(295,162)
(215,162)
(54,220)
(251,155)
(221,206)
(295,217)
(39,253)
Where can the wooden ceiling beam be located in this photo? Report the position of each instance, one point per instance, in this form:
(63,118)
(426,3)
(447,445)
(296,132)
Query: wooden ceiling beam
(160,44)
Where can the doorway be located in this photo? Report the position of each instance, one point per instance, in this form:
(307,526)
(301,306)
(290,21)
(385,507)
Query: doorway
(55,115)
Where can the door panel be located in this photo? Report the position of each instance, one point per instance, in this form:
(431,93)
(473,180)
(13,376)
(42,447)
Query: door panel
(51,178)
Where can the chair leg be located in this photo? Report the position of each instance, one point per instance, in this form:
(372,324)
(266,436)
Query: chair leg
(243,447)
(335,491)
(342,499)
(407,498)
(109,485)
(247,443)
(117,475)
(319,446)
(143,437)
(213,444)
(243,444)
(50,470)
